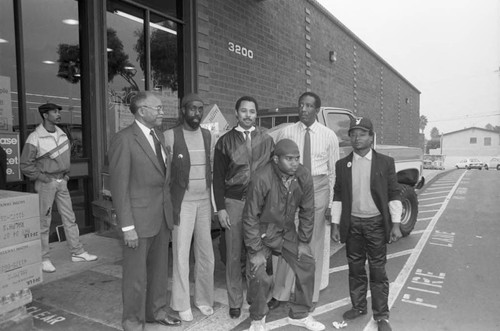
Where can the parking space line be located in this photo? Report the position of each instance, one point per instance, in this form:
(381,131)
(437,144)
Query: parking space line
(439,197)
(412,260)
(434,192)
(432,204)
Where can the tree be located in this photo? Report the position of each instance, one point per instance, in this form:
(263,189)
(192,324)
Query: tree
(435,133)
(492,127)
(435,141)
(163,57)
(118,63)
(69,63)
(423,123)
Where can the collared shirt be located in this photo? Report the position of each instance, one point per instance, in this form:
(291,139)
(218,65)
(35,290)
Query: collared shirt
(240,129)
(362,201)
(395,206)
(324,149)
(149,137)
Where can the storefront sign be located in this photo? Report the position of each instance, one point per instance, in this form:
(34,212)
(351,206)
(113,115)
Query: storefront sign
(5,104)
(9,141)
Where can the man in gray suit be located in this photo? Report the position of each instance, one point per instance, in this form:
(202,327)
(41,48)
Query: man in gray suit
(139,166)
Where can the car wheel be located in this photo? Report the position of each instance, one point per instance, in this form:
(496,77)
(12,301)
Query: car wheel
(498,167)
(410,209)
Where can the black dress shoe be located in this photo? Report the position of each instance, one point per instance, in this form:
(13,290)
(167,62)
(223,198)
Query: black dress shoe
(273,304)
(168,321)
(352,314)
(235,312)
(383,325)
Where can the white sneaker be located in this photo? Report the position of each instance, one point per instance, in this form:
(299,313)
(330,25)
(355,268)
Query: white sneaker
(186,315)
(258,325)
(47,266)
(307,322)
(206,310)
(84,257)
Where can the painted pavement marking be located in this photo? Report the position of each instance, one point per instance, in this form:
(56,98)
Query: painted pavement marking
(412,260)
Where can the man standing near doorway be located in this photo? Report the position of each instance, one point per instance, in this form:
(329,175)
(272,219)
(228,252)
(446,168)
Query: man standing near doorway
(190,189)
(237,155)
(139,166)
(366,216)
(320,151)
(46,160)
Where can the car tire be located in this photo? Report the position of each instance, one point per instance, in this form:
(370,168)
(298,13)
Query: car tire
(409,215)
(498,167)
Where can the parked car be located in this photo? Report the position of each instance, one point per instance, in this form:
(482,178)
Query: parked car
(493,164)
(470,163)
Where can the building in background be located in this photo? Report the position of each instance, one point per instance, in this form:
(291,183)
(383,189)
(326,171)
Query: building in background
(472,142)
(90,56)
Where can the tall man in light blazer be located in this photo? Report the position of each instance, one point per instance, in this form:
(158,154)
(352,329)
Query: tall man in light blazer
(139,165)
(366,216)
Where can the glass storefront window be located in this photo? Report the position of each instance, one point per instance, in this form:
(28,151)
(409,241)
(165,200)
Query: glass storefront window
(9,107)
(127,62)
(52,64)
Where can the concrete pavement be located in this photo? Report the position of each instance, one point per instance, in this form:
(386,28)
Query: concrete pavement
(87,295)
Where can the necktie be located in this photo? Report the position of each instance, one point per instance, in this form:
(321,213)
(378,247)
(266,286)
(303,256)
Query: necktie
(248,144)
(159,155)
(307,150)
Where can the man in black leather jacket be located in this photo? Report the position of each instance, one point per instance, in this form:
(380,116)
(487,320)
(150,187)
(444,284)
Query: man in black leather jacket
(237,155)
(275,193)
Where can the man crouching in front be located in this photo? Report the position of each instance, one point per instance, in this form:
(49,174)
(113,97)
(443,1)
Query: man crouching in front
(275,193)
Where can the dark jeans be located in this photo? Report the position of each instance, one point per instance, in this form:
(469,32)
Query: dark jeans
(260,283)
(366,238)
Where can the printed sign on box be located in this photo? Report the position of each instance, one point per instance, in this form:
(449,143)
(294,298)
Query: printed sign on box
(16,280)
(20,255)
(19,231)
(16,206)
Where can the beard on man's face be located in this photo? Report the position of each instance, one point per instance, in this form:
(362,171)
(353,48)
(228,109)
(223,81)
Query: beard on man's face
(193,121)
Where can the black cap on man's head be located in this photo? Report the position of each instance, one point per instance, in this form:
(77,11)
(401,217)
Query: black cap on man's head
(362,123)
(48,106)
(286,147)
(191,97)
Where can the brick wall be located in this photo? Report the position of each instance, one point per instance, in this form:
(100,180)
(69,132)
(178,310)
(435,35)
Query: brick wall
(287,45)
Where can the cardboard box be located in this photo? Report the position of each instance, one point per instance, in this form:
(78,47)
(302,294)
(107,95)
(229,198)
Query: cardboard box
(20,255)
(15,300)
(15,206)
(19,231)
(19,279)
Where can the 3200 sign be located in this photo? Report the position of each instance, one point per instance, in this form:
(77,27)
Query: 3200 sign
(240,50)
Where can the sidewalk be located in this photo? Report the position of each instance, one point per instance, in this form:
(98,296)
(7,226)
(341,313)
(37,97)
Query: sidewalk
(86,296)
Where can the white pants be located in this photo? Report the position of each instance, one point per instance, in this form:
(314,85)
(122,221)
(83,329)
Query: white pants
(195,224)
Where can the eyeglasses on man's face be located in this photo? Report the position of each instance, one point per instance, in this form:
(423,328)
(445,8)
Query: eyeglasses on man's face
(157,108)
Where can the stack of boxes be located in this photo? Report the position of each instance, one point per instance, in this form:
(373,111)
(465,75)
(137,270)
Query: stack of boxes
(20,255)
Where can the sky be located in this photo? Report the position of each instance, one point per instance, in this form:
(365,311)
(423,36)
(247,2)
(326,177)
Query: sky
(448,49)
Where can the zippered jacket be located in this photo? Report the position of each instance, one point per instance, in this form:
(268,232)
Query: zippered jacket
(270,208)
(38,163)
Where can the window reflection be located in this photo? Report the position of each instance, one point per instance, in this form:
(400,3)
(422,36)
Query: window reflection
(8,77)
(9,140)
(125,75)
(127,62)
(52,62)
